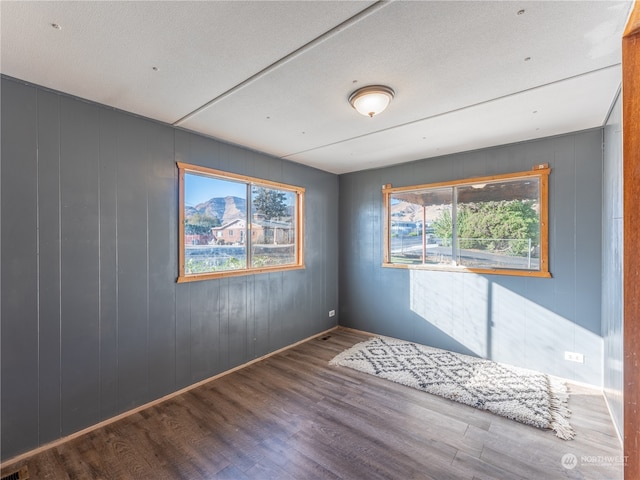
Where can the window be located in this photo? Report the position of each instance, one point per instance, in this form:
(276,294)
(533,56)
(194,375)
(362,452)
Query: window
(235,225)
(496,224)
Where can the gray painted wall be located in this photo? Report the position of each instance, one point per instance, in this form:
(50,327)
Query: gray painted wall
(528,322)
(93,322)
(612,259)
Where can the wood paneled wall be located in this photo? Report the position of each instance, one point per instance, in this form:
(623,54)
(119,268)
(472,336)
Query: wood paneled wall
(612,260)
(529,322)
(93,322)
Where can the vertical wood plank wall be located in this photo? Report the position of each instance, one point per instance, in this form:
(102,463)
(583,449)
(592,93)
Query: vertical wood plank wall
(612,260)
(631,169)
(93,322)
(528,322)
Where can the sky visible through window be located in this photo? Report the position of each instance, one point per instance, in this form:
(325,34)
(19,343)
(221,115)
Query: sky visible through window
(217,238)
(199,188)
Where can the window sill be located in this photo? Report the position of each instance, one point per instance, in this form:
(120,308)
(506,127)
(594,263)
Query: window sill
(479,271)
(236,273)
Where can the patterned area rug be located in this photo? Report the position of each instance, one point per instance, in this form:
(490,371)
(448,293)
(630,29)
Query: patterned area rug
(523,395)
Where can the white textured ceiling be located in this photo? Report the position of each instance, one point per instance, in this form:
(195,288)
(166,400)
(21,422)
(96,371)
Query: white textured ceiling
(275,76)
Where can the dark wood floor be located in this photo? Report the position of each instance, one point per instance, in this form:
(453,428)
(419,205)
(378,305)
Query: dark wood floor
(292,416)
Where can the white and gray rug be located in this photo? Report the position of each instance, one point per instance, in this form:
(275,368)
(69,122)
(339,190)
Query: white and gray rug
(523,395)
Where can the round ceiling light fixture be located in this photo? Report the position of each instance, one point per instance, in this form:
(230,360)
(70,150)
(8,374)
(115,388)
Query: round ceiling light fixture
(371,100)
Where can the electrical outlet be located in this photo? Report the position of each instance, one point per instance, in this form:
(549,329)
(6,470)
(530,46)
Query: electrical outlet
(574,357)
(332,313)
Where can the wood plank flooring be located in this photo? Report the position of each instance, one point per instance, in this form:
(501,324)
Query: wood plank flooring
(292,416)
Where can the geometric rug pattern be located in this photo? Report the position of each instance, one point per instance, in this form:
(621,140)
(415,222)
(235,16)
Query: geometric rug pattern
(523,395)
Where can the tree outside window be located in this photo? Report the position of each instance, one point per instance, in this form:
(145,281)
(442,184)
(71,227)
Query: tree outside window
(488,225)
(233,225)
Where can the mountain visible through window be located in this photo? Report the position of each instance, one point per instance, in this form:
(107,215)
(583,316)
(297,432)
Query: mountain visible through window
(492,224)
(233,224)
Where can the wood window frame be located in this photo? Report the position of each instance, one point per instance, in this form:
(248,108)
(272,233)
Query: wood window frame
(184,168)
(631,227)
(540,171)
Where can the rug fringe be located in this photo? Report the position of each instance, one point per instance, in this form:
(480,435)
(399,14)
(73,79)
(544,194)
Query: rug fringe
(560,413)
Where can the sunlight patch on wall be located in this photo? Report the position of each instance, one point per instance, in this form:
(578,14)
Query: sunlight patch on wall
(454,303)
(496,323)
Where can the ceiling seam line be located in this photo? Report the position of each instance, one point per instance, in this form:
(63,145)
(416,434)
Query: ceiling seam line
(361,15)
(455,110)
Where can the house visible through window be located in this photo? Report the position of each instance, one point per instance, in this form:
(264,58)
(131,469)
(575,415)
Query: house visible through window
(492,224)
(232,224)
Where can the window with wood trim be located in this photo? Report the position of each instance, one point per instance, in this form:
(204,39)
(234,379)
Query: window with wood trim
(496,224)
(233,224)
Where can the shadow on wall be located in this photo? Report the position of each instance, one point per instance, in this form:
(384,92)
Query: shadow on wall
(495,323)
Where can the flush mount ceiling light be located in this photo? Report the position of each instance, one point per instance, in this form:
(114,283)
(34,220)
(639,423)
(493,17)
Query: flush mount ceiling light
(371,100)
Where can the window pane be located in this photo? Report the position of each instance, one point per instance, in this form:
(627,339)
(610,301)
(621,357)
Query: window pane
(420,227)
(231,224)
(496,224)
(273,227)
(215,216)
(499,225)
